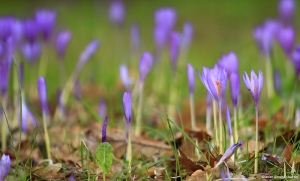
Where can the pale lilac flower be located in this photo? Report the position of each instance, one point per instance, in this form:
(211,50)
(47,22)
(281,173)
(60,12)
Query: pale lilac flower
(286,9)
(102,109)
(229,152)
(45,20)
(234,81)
(31,51)
(175,43)
(62,40)
(254,85)
(124,75)
(4,166)
(228,120)
(165,17)
(30,30)
(187,34)
(71,178)
(117,12)
(90,49)
(104,129)
(191,77)
(42,93)
(6,24)
(296,60)
(127,110)
(215,82)
(229,62)
(286,39)
(145,65)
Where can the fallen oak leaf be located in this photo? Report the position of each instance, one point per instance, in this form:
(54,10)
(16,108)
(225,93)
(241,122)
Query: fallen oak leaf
(188,164)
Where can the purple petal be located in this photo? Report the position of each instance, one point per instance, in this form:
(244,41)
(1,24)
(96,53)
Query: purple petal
(187,35)
(234,88)
(286,9)
(191,77)
(127,110)
(145,65)
(117,12)
(62,40)
(160,36)
(4,166)
(125,77)
(174,48)
(296,59)
(5,66)
(102,110)
(135,36)
(90,49)
(213,88)
(229,62)
(30,29)
(277,81)
(42,93)
(45,20)
(228,120)
(229,152)
(165,17)
(31,51)
(286,38)
(104,129)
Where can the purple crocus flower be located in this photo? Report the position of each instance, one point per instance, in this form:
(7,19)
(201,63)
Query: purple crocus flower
(145,65)
(215,82)
(165,17)
(187,35)
(228,120)
(26,114)
(117,12)
(42,92)
(62,40)
(4,166)
(277,81)
(160,36)
(296,60)
(5,66)
(30,30)
(127,110)
(17,31)
(229,152)
(254,85)
(71,178)
(286,38)
(87,53)
(234,88)
(31,51)
(286,9)
(191,77)
(45,20)
(229,62)
(124,75)
(135,36)
(174,48)
(104,129)
(102,110)
(264,35)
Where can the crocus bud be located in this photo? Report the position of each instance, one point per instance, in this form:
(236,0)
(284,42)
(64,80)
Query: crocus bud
(277,81)
(117,12)
(296,60)
(135,36)
(124,75)
(87,53)
(104,129)
(286,9)
(165,17)
(160,36)
(229,152)
(31,51)
(228,120)
(234,81)
(145,65)
(30,30)
(254,85)
(127,110)
(62,40)
(4,166)
(45,20)
(17,31)
(191,77)
(102,110)
(286,38)
(174,48)
(5,26)
(42,92)
(187,34)
(229,62)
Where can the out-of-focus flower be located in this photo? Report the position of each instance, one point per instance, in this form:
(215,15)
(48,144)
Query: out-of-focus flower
(286,38)
(127,110)
(6,24)
(254,85)
(264,35)
(102,109)
(286,9)
(104,125)
(296,60)
(229,152)
(160,35)
(42,92)
(124,75)
(215,82)
(45,20)
(4,75)
(87,53)
(229,62)
(187,34)
(30,30)
(4,166)
(117,12)
(145,65)
(62,40)
(135,36)
(277,81)
(228,120)
(31,51)
(71,178)
(175,43)
(234,81)
(26,114)
(17,31)
(191,77)
(165,17)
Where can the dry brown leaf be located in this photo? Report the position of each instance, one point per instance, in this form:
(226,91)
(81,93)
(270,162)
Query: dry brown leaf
(198,175)
(287,153)
(49,172)
(188,164)
(271,158)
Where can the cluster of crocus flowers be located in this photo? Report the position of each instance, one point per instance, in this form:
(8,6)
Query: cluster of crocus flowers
(127,107)
(4,166)
(254,85)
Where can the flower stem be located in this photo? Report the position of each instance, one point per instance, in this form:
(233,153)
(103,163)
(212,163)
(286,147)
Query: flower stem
(192,107)
(215,122)
(269,76)
(256,140)
(129,152)
(208,120)
(236,134)
(221,128)
(139,113)
(44,61)
(4,124)
(47,140)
